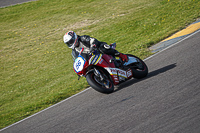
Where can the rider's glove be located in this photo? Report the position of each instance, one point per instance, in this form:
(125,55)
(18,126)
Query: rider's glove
(93,48)
(123,57)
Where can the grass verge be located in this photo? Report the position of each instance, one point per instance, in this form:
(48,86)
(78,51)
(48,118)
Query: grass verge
(36,66)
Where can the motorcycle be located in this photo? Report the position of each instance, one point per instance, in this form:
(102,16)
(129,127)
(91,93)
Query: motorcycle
(103,72)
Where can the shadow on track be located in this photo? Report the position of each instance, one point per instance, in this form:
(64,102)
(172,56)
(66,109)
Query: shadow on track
(151,74)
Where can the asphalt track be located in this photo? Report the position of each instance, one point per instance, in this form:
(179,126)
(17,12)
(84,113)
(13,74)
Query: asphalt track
(167,100)
(5,3)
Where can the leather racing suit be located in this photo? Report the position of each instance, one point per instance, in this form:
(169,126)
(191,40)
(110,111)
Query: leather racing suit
(88,43)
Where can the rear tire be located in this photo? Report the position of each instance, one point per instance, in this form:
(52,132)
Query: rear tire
(104,86)
(140,69)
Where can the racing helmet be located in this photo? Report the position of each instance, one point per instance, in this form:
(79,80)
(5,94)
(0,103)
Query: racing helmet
(70,38)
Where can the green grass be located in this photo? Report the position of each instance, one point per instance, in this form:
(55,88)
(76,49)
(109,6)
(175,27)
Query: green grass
(36,66)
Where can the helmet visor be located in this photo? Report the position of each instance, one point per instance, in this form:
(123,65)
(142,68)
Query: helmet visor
(71,42)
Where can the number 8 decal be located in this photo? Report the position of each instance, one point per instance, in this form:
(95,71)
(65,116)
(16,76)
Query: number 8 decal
(79,64)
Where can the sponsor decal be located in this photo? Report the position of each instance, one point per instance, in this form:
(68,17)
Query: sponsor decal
(115,76)
(100,61)
(115,71)
(129,73)
(95,59)
(122,79)
(122,73)
(116,79)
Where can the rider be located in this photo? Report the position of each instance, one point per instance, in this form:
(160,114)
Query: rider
(77,42)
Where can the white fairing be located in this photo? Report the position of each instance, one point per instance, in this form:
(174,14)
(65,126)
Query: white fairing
(116,71)
(79,64)
(130,60)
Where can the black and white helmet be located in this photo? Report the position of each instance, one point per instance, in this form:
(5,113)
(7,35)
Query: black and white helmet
(70,38)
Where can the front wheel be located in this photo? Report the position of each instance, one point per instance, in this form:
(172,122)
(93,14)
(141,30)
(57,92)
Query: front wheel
(139,68)
(99,80)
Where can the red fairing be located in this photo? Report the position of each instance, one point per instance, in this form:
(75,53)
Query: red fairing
(105,61)
(85,67)
(83,72)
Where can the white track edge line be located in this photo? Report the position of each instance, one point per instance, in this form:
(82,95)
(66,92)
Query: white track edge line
(90,87)
(18,4)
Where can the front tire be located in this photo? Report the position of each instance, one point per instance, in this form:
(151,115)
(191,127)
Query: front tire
(104,85)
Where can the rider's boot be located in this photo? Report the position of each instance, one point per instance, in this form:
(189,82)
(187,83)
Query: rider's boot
(123,57)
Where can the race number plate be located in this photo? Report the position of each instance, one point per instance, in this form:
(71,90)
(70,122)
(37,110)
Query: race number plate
(79,64)
(129,73)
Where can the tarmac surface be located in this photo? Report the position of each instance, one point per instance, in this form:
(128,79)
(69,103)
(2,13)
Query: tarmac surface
(5,3)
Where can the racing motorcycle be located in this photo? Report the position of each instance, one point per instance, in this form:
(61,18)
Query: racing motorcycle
(104,71)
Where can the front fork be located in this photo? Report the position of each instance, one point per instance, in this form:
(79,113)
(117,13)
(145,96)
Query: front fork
(98,74)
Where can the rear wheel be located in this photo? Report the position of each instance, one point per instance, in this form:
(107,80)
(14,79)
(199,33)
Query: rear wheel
(100,80)
(139,68)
